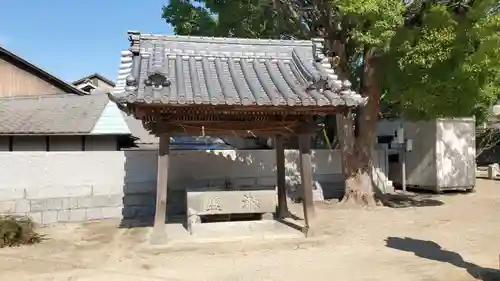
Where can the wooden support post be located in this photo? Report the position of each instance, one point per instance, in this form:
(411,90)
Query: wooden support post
(159,234)
(307,181)
(281,181)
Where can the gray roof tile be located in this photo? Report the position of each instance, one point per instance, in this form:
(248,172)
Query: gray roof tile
(51,114)
(230,71)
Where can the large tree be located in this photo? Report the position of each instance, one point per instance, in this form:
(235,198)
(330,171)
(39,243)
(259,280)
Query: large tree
(426,58)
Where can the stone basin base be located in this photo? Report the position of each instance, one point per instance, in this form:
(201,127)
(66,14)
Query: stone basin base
(202,203)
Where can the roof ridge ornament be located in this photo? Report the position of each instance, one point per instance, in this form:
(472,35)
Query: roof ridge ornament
(318,49)
(134,38)
(135,49)
(157,79)
(130,83)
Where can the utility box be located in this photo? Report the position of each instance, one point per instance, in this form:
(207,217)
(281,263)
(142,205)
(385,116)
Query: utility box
(443,155)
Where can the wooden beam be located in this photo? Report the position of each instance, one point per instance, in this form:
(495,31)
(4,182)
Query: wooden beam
(84,143)
(281,181)
(307,181)
(212,117)
(218,129)
(154,109)
(47,143)
(233,128)
(227,125)
(159,234)
(11,143)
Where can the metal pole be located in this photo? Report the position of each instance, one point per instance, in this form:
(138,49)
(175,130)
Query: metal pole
(403,165)
(402,153)
(403,145)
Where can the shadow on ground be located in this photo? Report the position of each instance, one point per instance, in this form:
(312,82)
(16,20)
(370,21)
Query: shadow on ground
(410,200)
(433,251)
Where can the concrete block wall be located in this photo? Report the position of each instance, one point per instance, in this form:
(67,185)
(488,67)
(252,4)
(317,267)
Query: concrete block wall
(87,185)
(62,186)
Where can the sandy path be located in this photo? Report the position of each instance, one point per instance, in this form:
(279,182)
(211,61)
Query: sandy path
(454,242)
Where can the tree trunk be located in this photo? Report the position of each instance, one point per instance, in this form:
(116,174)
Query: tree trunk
(357,150)
(360,147)
(358,187)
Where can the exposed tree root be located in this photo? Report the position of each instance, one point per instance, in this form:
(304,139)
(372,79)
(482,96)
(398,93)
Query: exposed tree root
(359,191)
(358,198)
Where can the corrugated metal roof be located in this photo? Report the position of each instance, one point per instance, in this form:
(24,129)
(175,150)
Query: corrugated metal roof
(51,114)
(111,122)
(231,71)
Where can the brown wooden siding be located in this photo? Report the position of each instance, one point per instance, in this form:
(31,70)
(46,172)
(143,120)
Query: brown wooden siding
(58,143)
(15,81)
(102,84)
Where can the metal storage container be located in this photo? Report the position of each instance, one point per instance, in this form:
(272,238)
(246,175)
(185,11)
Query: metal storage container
(443,155)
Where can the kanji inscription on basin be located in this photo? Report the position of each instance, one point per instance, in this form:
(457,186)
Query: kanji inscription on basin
(230,202)
(249,202)
(213,204)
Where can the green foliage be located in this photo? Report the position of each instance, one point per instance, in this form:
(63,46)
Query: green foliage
(370,23)
(435,58)
(188,19)
(447,64)
(224,18)
(16,231)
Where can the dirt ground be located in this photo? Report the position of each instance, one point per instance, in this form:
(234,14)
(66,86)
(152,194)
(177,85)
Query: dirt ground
(452,237)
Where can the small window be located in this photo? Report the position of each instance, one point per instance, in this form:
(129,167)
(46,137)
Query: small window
(88,89)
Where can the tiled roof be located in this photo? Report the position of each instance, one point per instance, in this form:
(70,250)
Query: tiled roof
(229,71)
(91,76)
(51,114)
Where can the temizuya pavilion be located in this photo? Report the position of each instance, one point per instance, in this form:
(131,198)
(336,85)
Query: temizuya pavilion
(225,86)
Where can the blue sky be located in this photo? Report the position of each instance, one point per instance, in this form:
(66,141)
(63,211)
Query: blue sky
(72,39)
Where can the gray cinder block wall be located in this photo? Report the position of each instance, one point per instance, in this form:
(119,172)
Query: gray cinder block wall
(62,186)
(90,185)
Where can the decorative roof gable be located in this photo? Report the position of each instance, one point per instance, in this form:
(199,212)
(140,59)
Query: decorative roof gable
(92,76)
